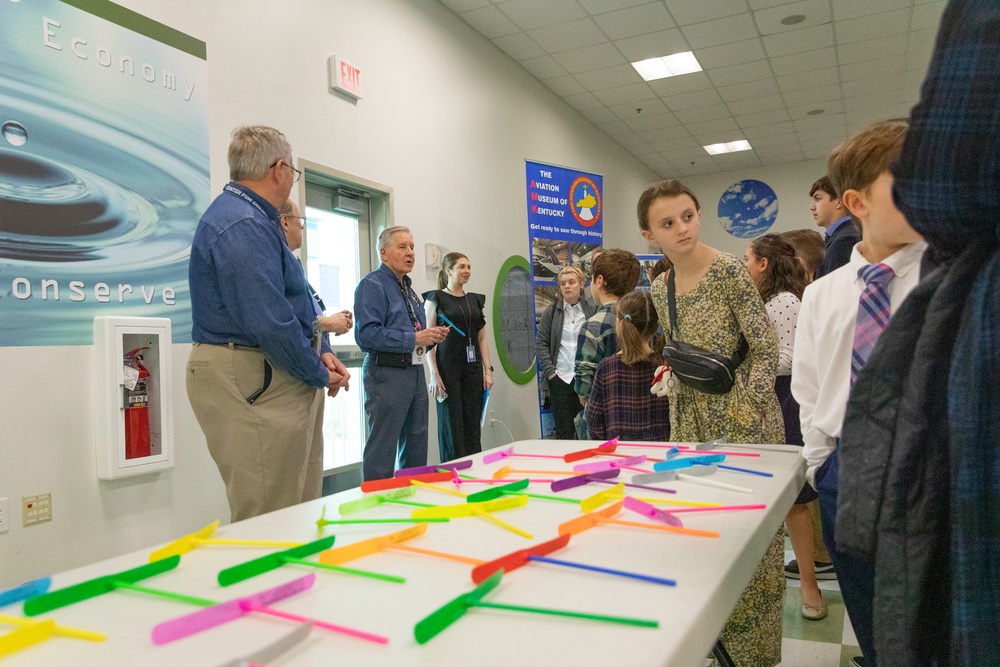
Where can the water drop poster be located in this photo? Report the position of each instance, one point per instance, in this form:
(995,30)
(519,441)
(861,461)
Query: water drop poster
(565,227)
(104,168)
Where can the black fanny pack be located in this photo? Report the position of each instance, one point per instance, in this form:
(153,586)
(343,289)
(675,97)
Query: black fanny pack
(698,368)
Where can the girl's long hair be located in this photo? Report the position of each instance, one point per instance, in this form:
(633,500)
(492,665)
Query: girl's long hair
(784,272)
(639,322)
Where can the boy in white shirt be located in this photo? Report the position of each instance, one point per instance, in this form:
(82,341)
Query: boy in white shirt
(839,322)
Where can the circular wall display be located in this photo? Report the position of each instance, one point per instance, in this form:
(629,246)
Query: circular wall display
(748,208)
(514,319)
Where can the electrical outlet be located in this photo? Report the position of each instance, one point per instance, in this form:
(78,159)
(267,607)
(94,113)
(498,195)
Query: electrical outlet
(4,515)
(37,508)
(493,416)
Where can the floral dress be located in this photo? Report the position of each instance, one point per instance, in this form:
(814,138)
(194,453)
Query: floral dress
(724,303)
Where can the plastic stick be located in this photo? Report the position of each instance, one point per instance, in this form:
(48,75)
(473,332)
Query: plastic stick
(605,570)
(747,471)
(508,452)
(250,605)
(401,482)
(587,521)
(638,486)
(444,616)
(686,448)
(451,324)
(24,637)
(720,508)
(646,509)
(395,496)
(275,649)
(459,480)
(94,587)
(507,470)
(580,480)
(602,498)
(431,470)
(679,464)
(442,489)
(323,521)
(178,597)
(202,537)
(483,510)
(626,464)
(26,590)
(713,483)
(395,540)
(517,559)
(59,630)
(514,488)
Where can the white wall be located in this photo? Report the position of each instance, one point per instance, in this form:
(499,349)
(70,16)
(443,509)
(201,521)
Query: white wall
(447,121)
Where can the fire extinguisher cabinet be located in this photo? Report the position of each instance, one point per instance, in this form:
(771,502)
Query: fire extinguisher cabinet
(133,396)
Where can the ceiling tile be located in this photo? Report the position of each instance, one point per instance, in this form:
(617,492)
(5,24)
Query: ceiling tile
(851,9)
(805,61)
(653,45)
(710,112)
(459,6)
(743,91)
(529,14)
(872,101)
(625,94)
(604,6)
(814,123)
(695,100)
(644,150)
(543,67)
(519,46)
(815,155)
(829,76)
(827,144)
(742,73)
(830,106)
(686,12)
(490,21)
(723,126)
(771,140)
(583,101)
(609,77)
(816,12)
(877,67)
(835,131)
(568,36)
(652,107)
(779,129)
(635,21)
(629,139)
(782,159)
(720,31)
(614,128)
(872,27)
(679,144)
(646,121)
(890,45)
(772,151)
(731,54)
(662,134)
(762,118)
(878,86)
(599,115)
(807,39)
(564,85)
(590,57)
(705,166)
(757,104)
(796,98)
(683,156)
(678,85)
(764,4)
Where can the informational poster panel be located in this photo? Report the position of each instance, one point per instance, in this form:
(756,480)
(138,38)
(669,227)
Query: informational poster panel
(104,168)
(565,227)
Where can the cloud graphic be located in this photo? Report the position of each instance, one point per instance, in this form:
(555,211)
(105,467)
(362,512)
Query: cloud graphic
(749,197)
(762,203)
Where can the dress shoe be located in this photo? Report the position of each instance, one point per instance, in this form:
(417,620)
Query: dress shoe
(814,613)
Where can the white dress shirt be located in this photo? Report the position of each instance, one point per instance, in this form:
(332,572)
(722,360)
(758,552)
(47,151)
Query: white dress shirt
(824,339)
(573,319)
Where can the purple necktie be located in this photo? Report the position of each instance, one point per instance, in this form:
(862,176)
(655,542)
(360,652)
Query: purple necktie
(873,314)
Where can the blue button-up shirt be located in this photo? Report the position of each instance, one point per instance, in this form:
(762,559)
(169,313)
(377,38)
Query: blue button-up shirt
(247,287)
(834,226)
(383,323)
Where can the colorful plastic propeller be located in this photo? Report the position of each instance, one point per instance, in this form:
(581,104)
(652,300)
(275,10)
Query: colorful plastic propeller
(29,633)
(294,556)
(275,649)
(606,515)
(538,553)
(424,470)
(444,616)
(395,497)
(602,498)
(693,475)
(484,510)
(26,590)
(202,537)
(679,464)
(626,464)
(590,452)
(401,482)
(648,510)
(322,521)
(514,488)
(507,470)
(345,554)
(216,615)
(508,452)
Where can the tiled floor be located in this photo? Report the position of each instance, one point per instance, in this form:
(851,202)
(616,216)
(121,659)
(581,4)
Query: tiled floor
(826,643)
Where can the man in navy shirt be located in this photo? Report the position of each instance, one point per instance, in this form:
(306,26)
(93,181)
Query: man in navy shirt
(392,330)
(254,375)
(841,234)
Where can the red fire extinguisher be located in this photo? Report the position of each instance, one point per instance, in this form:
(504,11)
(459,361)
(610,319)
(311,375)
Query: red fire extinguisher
(137,440)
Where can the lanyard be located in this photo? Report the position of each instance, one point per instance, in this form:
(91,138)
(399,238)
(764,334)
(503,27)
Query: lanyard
(232,189)
(404,286)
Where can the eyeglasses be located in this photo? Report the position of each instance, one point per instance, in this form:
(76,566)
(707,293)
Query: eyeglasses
(300,218)
(295,172)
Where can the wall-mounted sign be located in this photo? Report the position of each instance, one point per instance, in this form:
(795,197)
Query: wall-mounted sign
(345,77)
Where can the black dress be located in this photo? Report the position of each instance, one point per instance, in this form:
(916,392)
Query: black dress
(459,415)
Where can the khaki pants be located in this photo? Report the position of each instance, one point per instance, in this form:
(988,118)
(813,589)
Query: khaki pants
(262,450)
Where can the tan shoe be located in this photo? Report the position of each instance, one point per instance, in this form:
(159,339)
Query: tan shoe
(814,613)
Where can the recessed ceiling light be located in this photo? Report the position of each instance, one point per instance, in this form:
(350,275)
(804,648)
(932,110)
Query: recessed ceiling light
(674,65)
(815,112)
(793,19)
(728,147)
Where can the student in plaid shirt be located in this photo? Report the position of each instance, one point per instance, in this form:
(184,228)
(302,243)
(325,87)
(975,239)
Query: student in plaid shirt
(620,403)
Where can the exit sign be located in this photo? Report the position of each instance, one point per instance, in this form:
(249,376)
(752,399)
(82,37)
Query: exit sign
(345,77)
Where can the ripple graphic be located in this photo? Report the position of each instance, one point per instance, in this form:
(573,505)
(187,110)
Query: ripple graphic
(92,200)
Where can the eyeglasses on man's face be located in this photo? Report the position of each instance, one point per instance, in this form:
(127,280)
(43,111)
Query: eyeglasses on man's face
(295,172)
(300,218)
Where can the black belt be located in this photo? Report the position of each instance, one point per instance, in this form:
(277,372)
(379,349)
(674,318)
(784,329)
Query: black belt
(392,359)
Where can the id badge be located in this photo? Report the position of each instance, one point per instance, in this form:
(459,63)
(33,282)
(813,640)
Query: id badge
(418,354)
(470,353)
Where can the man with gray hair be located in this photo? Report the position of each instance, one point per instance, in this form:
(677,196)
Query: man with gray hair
(392,331)
(254,373)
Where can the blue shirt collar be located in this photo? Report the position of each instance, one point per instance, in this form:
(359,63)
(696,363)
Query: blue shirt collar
(835,225)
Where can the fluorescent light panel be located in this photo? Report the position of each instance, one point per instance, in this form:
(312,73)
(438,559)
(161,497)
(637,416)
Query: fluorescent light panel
(728,147)
(661,68)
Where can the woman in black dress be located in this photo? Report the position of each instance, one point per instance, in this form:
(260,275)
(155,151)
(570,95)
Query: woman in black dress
(459,368)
